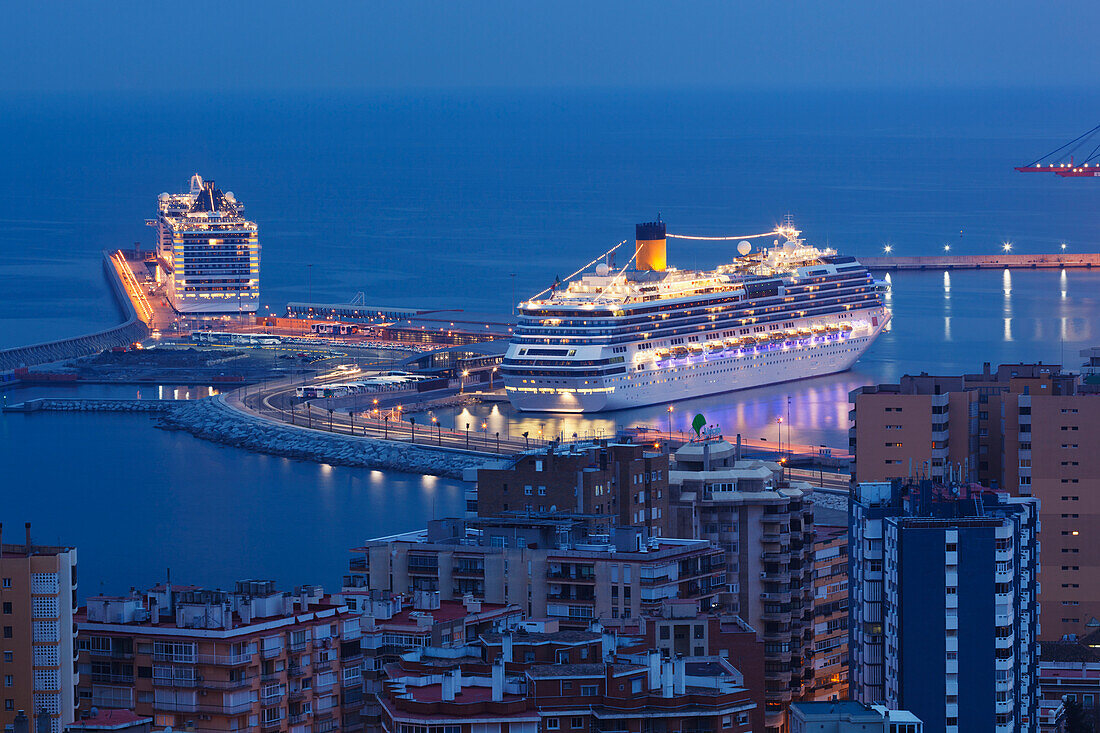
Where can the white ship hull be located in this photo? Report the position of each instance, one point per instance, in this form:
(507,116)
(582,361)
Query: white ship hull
(706,374)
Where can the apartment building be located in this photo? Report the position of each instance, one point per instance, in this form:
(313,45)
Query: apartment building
(616,692)
(682,629)
(830,611)
(765,525)
(210,660)
(395,624)
(548,565)
(1030,429)
(37,600)
(1069,670)
(848,716)
(943,604)
(611,483)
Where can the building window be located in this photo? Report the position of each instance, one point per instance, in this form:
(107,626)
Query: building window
(552,724)
(576,722)
(588,690)
(7,632)
(7,582)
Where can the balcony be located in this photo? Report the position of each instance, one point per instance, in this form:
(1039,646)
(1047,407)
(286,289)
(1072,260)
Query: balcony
(299,646)
(575,577)
(272,652)
(124,679)
(228,684)
(231,660)
(294,671)
(174,682)
(112,653)
(299,718)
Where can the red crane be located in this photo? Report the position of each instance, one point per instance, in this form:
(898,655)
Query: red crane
(1056,160)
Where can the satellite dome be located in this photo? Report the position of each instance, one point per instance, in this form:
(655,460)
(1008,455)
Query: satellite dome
(163,196)
(744,247)
(602,269)
(230,197)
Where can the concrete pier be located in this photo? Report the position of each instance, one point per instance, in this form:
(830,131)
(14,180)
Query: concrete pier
(131,330)
(986,262)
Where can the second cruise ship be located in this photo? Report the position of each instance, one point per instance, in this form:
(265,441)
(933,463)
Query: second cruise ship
(641,335)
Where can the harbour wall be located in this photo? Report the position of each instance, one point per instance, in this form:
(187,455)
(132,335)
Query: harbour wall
(84,404)
(978,262)
(211,419)
(126,333)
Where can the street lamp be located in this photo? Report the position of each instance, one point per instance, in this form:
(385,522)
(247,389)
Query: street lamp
(1063,246)
(412,429)
(947,248)
(888,248)
(438,433)
(779,429)
(1007,246)
(462,382)
(467,436)
(670,425)
(491,374)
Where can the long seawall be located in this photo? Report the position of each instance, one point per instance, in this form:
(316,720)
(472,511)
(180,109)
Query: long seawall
(212,419)
(986,262)
(129,331)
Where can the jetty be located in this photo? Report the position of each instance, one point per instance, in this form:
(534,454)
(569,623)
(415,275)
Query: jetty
(985,262)
(136,311)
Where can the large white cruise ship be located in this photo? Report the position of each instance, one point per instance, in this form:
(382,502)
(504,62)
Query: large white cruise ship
(645,334)
(208,253)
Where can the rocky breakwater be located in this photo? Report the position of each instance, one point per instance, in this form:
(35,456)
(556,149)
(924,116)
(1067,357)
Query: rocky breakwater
(84,404)
(211,419)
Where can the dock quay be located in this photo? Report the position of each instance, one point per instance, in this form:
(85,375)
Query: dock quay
(985,262)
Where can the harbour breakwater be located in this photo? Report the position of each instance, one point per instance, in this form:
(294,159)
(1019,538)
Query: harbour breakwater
(131,330)
(211,419)
(91,404)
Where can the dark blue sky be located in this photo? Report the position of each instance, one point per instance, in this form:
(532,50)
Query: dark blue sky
(220,46)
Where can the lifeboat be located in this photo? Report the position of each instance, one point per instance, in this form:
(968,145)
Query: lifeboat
(679,352)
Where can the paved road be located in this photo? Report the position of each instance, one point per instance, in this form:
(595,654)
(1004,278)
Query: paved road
(277,401)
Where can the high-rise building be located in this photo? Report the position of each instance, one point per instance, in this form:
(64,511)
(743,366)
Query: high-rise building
(38,597)
(1029,429)
(251,659)
(208,253)
(943,604)
(548,565)
(830,610)
(612,482)
(765,525)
